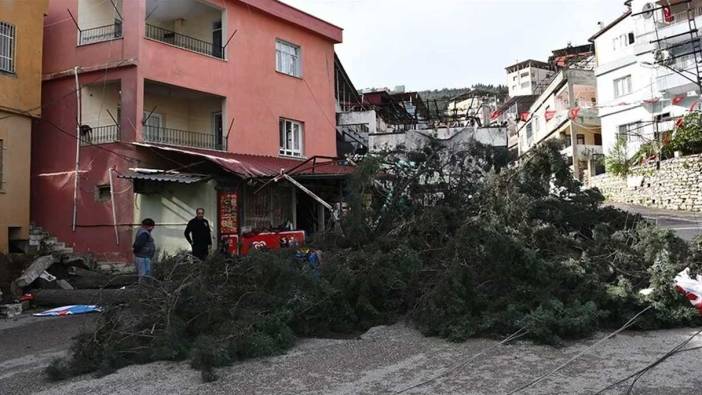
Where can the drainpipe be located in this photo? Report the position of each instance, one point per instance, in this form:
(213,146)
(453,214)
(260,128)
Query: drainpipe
(114,212)
(573,140)
(78,123)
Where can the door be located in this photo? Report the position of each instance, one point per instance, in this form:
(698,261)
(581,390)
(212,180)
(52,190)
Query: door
(217,50)
(153,125)
(217,130)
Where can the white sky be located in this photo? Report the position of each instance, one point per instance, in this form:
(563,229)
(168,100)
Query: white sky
(433,44)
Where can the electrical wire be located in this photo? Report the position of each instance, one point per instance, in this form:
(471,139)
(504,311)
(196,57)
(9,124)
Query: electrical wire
(580,354)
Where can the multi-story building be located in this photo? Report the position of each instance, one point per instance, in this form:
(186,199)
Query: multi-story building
(183,104)
(646,71)
(21,24)
(566,110)
(526,78)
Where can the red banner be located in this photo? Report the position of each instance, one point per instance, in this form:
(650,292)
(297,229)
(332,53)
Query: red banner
(549,114)
(573,112)
(678,99)
(228,213)
(272,240)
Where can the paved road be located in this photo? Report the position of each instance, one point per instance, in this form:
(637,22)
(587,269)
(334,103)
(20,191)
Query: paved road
(687,225)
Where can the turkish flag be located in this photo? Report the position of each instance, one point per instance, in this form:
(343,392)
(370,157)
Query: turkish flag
(524,116)
(495,115)
(667,14)
(652,100)
(573,113)
(549,115)
(678,99)
(694,104)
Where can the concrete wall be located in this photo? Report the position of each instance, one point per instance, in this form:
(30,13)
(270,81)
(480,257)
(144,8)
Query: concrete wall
(15,132)
(96,13)
(193,115)
(677,185)
(21,92)
(97,100)
(172,208)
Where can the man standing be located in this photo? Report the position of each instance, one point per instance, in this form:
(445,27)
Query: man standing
(198,234)
(144,248)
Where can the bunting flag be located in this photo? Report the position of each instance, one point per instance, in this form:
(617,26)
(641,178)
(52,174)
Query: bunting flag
(678,99)
(573,112)
(524,116)
(549,114)
(667,14)
(495,115)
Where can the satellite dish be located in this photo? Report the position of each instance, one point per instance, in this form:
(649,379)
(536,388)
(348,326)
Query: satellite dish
(647,10)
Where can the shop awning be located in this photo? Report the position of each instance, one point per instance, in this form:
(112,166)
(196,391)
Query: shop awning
(256,166)
(162,175)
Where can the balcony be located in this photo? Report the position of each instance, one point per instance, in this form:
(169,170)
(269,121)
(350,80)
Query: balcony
(100,113)
(99,21)
(99,135)
(188,24)
(585,151)
(182,117)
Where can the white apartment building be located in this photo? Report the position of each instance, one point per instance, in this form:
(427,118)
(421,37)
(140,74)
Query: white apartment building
(636,94)
(526,78)
(550,117)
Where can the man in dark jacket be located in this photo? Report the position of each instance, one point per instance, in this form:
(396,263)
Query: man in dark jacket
(144,248)
(198,234)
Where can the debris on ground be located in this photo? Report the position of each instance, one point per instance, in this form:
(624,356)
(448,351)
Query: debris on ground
(450,239)
(69,310)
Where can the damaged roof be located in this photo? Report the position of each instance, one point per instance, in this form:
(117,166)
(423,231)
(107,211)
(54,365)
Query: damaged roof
(257,166)
(162,175)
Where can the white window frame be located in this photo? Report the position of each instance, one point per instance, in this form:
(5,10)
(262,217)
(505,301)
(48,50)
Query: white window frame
(291,136)
(622,86)
(8,40)
(287,62)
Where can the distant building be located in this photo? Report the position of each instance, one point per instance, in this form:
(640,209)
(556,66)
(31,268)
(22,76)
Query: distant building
(526,78)
(21,24)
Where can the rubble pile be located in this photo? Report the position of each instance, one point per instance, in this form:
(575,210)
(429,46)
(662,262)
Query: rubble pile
(451,239)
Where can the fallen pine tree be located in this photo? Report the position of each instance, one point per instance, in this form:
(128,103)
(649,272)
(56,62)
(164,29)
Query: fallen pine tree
(450,239)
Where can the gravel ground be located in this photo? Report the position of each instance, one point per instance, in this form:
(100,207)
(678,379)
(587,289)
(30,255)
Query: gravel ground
(388,359)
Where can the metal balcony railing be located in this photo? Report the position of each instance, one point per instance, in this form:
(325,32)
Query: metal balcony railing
(99,135)
(185,138)
(100,33)
(183,41)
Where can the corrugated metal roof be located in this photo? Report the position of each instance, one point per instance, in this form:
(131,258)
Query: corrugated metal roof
(253,166)
(162,175)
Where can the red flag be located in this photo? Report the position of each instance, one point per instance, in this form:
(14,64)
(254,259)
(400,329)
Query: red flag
(524,116)
(678,99)
(667,14)
(495,115)
(573,112)
(549,115)
(680,122)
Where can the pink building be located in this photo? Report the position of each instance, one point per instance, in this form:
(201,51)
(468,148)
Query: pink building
(183,104)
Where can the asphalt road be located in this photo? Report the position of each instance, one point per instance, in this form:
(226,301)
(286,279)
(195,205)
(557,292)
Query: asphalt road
(687,225)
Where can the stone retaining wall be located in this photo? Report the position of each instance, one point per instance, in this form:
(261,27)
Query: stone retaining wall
(677,185)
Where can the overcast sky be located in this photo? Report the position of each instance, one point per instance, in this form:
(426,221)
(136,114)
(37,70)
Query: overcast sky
(431,44)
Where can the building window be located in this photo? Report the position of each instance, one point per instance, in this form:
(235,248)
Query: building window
(291,138)
(529,134)
(630,132)
(103,193)
(623,40)
(580,139)
(535,122)
(622,86)
(7,47)
(288,59)
(598,139)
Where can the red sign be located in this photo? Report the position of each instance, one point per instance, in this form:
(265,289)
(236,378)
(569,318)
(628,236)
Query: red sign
(228,210)
(272,240)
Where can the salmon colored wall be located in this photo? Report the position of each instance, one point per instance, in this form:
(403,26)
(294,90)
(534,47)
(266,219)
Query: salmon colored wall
(255,96)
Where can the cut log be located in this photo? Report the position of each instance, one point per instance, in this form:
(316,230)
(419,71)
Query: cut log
(87,279)
(64,297)
(34,271)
